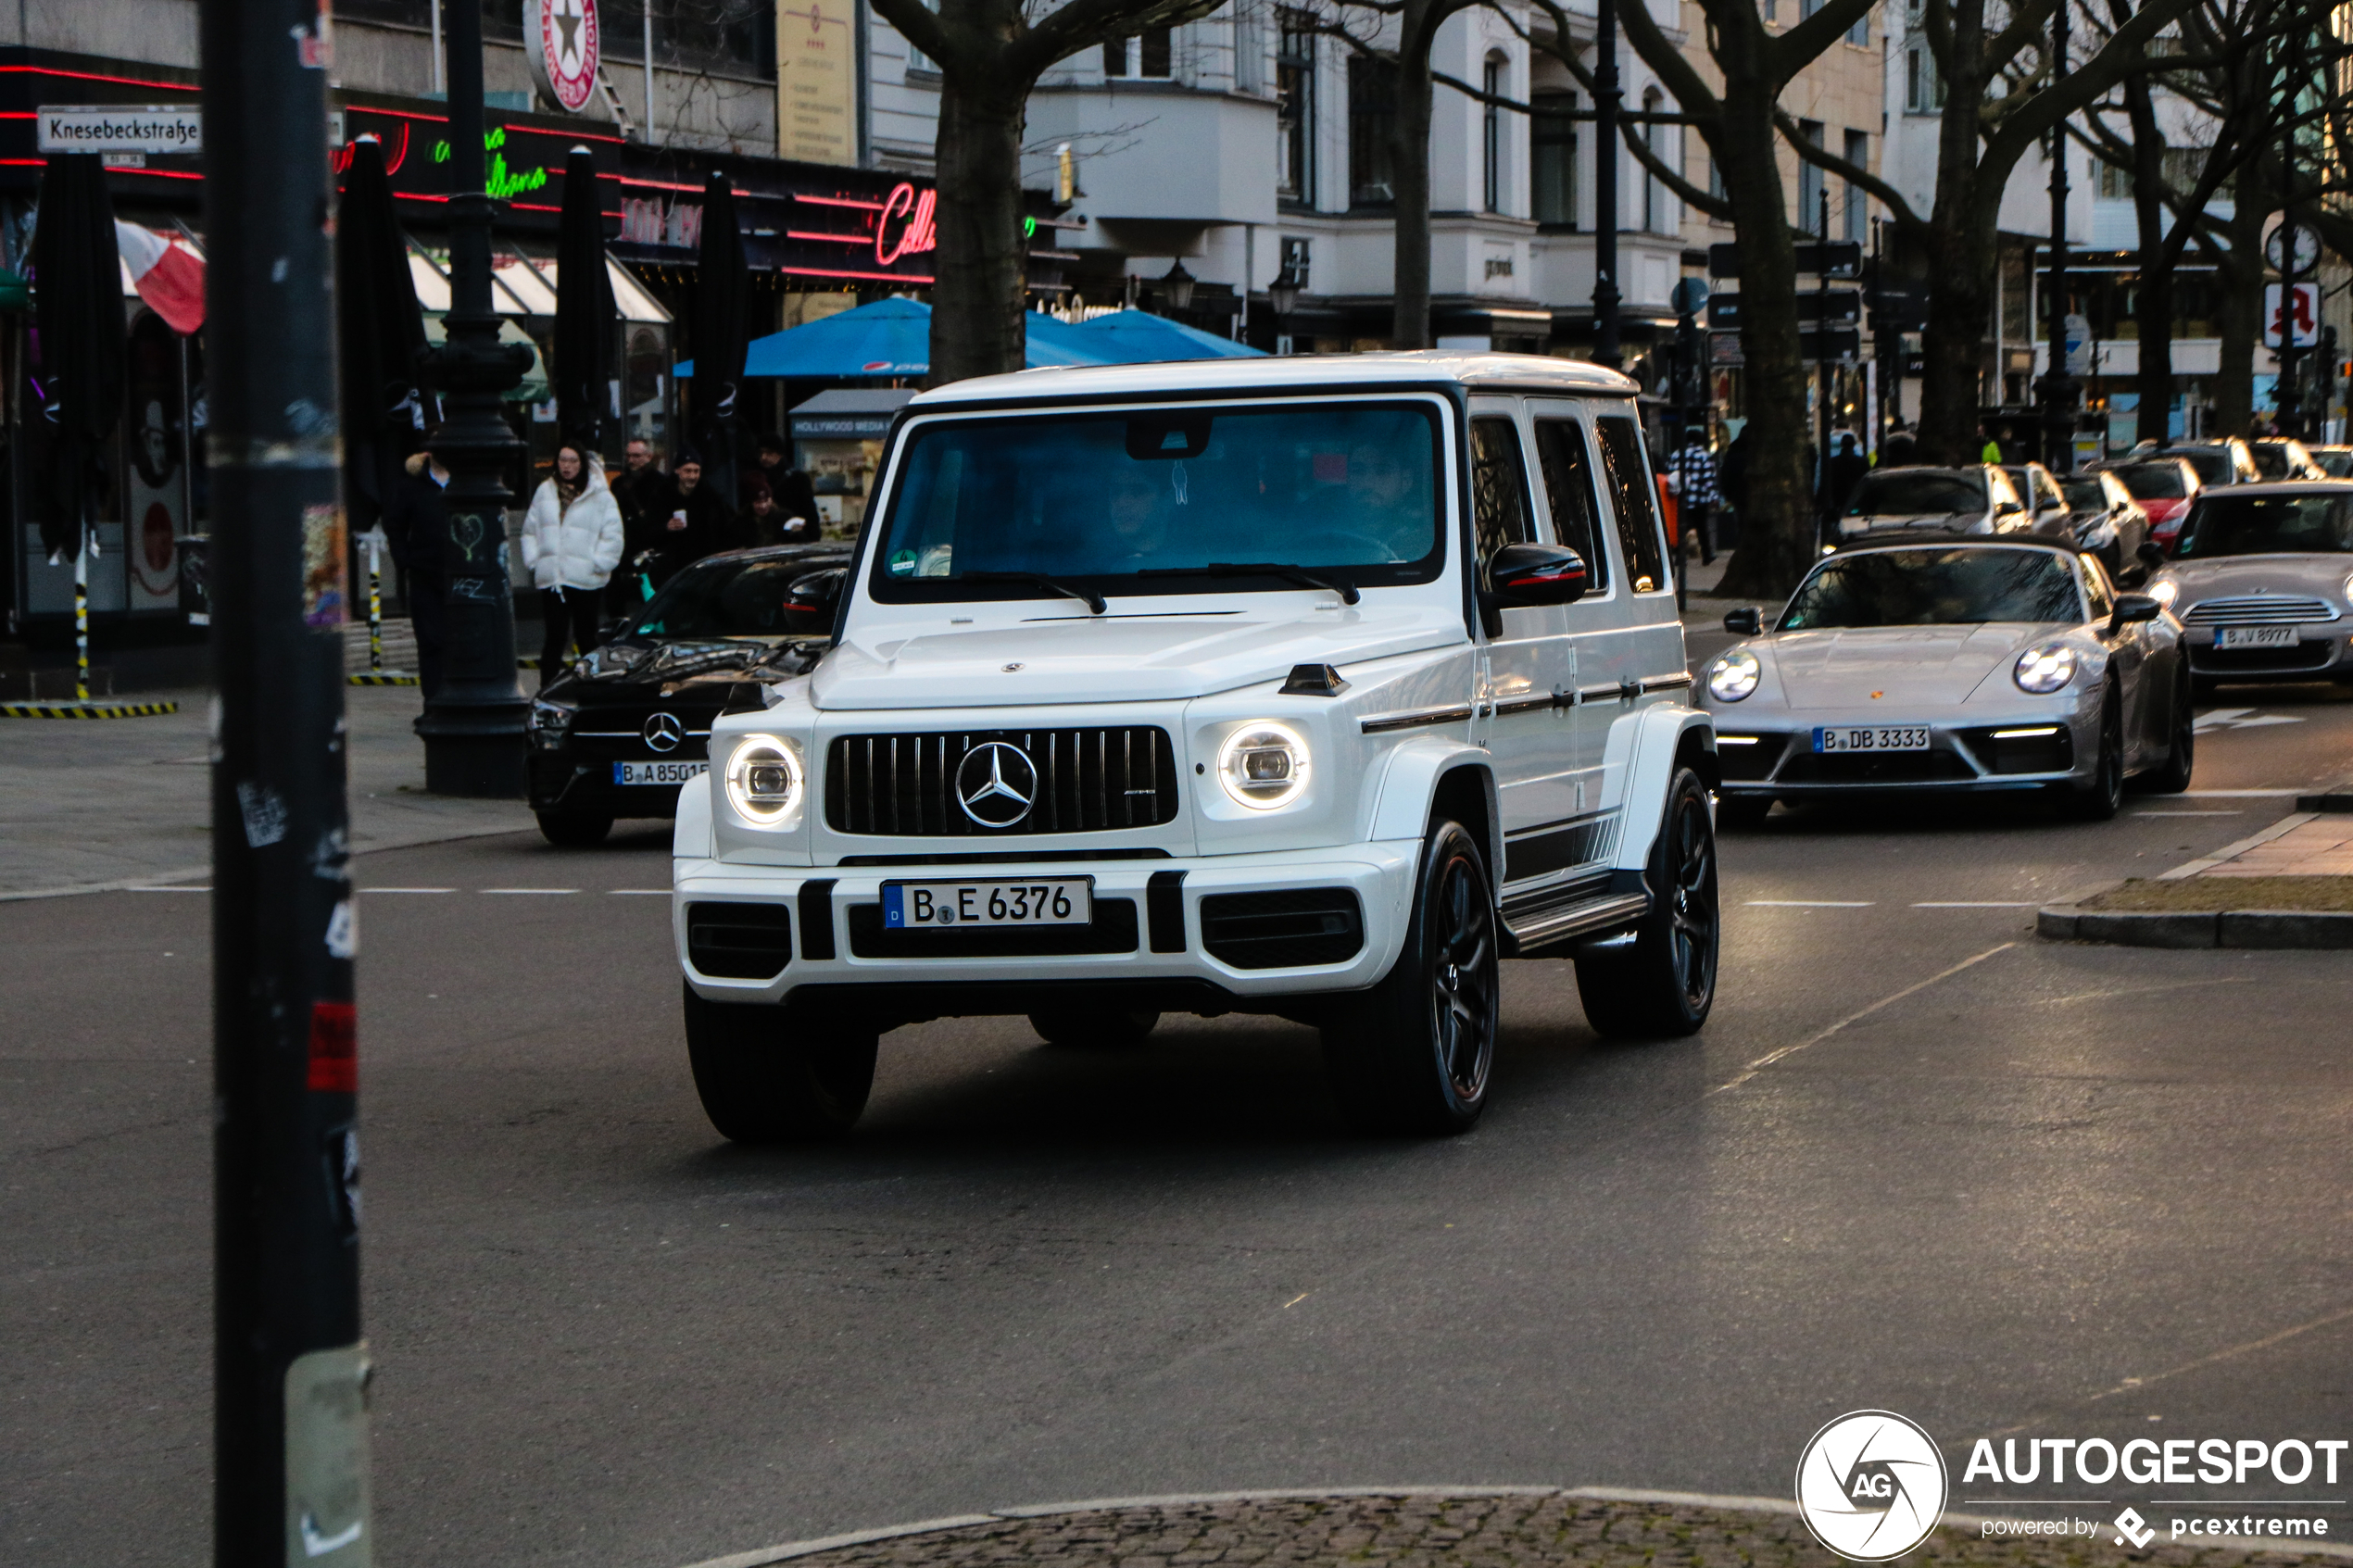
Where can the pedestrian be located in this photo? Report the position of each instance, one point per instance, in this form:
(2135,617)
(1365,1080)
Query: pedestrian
(1695,468)
(1900,450)
(1988,449)
(571,541)
(1847,467)
(699,523)
(646,497)
(796,492)
(416,524)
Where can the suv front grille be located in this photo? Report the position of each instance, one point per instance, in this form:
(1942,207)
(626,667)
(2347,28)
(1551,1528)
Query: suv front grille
(2257,610)
(1091,780)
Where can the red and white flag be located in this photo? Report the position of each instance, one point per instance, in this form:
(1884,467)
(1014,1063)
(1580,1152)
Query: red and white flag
(168,276)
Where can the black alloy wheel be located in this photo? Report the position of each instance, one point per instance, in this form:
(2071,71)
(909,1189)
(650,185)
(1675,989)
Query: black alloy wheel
(2172,776)
(1659,983)
(571,830)
(1414,1054)
(2100,799)
(771,1074)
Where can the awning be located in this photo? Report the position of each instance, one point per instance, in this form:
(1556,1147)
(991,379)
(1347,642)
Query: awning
(522,285)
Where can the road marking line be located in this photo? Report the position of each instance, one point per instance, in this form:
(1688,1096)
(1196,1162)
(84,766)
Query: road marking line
(1809,904)
(407,890)
(638,893)
(2138,814)
(182,888)
(2240,794)
(526,890)
(2280,829)
(1997,905)
(1769,1057)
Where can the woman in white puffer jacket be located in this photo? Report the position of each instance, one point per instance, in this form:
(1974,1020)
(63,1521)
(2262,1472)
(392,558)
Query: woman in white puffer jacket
(571,541)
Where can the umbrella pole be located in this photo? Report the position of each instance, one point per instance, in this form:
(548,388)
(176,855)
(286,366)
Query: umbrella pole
(82,617)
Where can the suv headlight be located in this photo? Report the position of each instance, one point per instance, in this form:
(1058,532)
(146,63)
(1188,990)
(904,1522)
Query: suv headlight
(1264,765)
(764,780)
(1733,676)
(2045,670)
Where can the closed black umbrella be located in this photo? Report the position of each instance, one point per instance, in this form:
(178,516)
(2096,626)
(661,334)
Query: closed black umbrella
(77,278)
(585,310)
(722,305)
(380,332)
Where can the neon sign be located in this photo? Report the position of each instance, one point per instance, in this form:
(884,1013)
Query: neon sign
(914,232)
(498,180)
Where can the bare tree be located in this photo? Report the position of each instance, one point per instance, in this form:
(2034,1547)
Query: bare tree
(990,53)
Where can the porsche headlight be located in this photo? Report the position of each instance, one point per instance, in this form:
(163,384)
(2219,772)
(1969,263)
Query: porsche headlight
(1733,676)
(1264,765)
(2045,670)
(2348,591)
(2165,592)
(764,780)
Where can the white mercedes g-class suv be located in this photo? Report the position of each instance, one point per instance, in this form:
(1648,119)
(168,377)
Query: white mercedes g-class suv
(1304,687)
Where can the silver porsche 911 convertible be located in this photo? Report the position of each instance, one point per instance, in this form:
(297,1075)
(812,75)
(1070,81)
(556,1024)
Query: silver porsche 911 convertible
(1934,661)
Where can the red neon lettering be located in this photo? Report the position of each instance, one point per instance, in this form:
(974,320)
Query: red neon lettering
(915,234)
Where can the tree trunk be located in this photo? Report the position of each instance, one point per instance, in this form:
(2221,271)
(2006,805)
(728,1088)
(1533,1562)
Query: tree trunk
(2153,302)
(1779,535)
(982,272)
(1962,257)
(1409,175)
(2240,271)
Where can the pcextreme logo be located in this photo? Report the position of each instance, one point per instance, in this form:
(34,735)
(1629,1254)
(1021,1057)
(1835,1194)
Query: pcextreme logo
(1871,1486)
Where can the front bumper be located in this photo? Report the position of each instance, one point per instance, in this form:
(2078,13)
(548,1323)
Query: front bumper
(2322,652)
(1777,761)
(1171,934)
(564,780)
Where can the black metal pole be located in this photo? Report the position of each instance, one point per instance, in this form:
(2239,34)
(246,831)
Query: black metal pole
(290,1424)
(2287,404)
(1826,503)
(1607,349)
(473,722)
(2058,382)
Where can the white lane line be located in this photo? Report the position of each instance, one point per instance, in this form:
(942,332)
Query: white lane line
(1809,904)
(526,890)
(181,887)
(2242,793)
(638,893)
(1769,1057)
(407,890)
(2138,814)
(1998,905)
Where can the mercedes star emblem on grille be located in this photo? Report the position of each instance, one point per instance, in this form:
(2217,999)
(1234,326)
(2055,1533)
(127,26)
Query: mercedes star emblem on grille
(995,784)
(663,732)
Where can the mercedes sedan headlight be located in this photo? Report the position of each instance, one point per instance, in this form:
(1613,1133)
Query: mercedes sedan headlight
(764,780)
(551,722)
(2045,670)
(1733,676)
(1264,765)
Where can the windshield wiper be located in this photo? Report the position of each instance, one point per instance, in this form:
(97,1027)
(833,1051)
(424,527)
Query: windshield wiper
(1300,575)
(1092,600)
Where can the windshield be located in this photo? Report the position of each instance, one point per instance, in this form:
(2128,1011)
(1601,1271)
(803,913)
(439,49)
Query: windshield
(1347,490)
(2255,525)
(2153,481)
(2214,466)
(2083,493)
(2335,462)
(1911,492)
(2024,479)
(1962,586)
(733,596)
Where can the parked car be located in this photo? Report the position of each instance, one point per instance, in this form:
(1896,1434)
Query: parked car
(2261,579)
(2104,519)
(2285,459)
(2334,461)
(1936,661)
(617,733)
(1308,687)
(2227,461)
(1974,498)
(2164,486)
(2040,490)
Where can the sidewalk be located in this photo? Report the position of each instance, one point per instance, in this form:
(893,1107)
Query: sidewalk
(128,800)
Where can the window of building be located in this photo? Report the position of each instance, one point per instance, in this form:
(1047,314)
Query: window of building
(1372,104)
(1551,149)
(1810,187)
(1491,134)
(1860,33)
(916,59)
(1771,8)
(1114,56)
(1152,55)
(1653,193)
(1715,179)
(1923,89)
(1295,105)
(1858,202)
(1250,50)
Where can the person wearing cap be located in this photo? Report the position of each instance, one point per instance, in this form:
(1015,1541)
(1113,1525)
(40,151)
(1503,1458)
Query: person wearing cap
(796,495)
(699,523)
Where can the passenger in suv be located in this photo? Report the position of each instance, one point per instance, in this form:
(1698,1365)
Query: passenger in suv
(1310,687)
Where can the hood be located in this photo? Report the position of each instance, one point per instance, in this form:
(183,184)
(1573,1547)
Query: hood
(1117,658)
(664,666)
(2318,576)
(1890,667)
(1950,522)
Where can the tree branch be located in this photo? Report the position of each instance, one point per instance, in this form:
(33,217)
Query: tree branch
(1822,157)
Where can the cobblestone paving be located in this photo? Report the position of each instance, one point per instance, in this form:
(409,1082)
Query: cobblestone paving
(1456,1532)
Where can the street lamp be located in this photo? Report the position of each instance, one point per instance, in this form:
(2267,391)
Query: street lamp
(1606,298)
(1177,287)
(1283,295)
(2059,385)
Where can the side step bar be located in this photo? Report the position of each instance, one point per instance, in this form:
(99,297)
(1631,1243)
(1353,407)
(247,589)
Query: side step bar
(1543,927)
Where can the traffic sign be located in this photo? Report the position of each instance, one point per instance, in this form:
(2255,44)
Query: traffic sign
(1836,343)
(1689,296)
(1842,307)
(2305,313)
(1834,258)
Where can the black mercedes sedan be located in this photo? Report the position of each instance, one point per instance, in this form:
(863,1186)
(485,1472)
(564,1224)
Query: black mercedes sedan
(618,732)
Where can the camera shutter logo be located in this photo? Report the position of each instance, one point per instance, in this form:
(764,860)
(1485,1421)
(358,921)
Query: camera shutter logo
(1871,1486)
(995,784)
(663,732)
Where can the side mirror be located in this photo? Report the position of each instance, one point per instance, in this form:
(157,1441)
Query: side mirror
(2150,554)
(1536,574)
(2130,607)
(2008,509)
(1745,623)
(810,602)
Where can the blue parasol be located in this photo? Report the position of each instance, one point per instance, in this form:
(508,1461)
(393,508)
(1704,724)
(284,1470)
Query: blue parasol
(1138,337)
(889,338)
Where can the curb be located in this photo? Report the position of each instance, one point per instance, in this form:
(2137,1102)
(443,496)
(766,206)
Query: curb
(2336,797)
(2244,929)
(761,1557)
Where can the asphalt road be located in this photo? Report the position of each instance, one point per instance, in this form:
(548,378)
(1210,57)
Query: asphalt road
(1919,1160)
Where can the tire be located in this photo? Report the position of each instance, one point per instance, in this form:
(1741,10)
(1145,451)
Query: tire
(778,1075)
(567,831)
(1414,1054)
(1093,1031)
(2172,776)
(2100,800)
(1742,812)
(1662,983)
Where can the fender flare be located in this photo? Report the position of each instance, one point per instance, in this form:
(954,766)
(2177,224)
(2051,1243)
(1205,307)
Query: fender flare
(690,834)
(1660,735)
(1401,810)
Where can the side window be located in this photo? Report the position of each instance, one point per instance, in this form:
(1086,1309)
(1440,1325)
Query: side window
(2096,592)
(1569,484)
(1498,487)
(1629,486)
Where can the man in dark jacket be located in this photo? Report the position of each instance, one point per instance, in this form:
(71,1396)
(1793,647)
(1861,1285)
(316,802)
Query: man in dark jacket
(416,524)
(796,493)
(646,497)
(1847,467)
(699,523)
